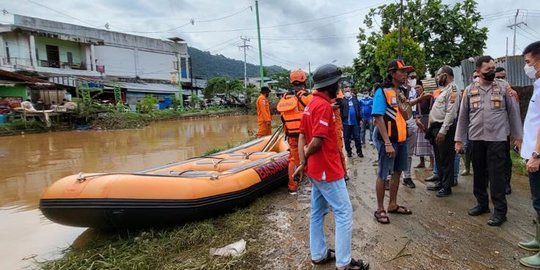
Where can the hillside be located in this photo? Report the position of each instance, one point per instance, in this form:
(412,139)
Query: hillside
(206,65)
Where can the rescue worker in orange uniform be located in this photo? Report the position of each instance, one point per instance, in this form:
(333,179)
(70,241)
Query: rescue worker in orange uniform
(291,107)
(264,118)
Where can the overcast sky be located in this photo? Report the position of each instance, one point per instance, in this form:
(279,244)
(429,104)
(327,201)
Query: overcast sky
(294,32)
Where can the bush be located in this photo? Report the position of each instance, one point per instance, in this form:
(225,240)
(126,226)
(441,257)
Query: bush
(147,104)
(115,120)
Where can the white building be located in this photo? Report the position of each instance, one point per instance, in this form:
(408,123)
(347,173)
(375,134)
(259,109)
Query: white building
(65,52)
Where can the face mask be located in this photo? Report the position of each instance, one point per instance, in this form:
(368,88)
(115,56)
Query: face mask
(489,76)
(477,79)
(530,71)
(412,83)
(347,94)
(441,82)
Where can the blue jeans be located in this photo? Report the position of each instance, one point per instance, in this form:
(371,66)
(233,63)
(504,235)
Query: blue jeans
(334,195)
(367,123)
(534,182)
(456,167)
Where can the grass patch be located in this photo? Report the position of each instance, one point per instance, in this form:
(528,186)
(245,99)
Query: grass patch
(518,164)
(121,120)
(185,247)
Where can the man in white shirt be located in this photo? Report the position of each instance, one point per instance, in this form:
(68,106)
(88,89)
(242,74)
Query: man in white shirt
(530,148)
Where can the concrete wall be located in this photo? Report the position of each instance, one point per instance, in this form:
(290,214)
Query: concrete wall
(108,37)
(19,48)
(77,49)
(131,62)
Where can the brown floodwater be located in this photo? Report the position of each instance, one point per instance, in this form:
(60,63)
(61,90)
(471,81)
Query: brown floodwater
(30,163)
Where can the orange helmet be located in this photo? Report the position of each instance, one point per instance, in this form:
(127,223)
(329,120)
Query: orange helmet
(298,76)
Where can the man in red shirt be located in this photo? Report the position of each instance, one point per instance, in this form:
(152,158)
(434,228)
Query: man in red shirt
(320,158)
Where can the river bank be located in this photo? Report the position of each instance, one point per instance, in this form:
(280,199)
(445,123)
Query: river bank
(439,234)
(109,120)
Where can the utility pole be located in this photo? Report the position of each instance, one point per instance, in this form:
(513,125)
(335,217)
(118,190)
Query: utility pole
(261,72)
(177,41)
(400,28)
(245,47)
(514,27)
(310,79)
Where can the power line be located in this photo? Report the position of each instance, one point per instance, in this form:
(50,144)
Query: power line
(219,44)
(60,12)
(525,36)
(532,29)
(281,25)
(224,17)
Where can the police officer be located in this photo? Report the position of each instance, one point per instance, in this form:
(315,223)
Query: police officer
(488,114)
(442,129)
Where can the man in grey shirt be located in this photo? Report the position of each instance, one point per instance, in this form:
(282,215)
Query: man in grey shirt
(489,114)
(442,129)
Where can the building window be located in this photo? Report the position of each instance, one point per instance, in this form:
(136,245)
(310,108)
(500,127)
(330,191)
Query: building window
(184,67)
(53,56)
(37,55)
(7,54)
(70,58)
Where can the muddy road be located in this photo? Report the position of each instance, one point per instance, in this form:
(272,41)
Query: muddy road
(438,235)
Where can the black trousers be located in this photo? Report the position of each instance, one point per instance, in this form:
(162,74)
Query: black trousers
(444,156)
(489,160)
(352,132)
(508,164)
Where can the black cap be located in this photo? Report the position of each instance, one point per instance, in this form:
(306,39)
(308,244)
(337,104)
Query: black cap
(326,75)
(398,64)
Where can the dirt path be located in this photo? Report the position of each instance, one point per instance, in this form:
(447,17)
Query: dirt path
(439,234)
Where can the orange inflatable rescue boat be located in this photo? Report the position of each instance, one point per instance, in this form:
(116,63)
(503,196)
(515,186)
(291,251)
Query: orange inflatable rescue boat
(172,194)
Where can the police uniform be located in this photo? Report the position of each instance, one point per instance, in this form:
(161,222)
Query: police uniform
(442,119)
(488,114)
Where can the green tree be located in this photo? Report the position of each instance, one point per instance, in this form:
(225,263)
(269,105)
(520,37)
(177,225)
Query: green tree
(447,33)
(214,86)
(387,49)
(220,85)
(366,72)
(233,88)
(282,78)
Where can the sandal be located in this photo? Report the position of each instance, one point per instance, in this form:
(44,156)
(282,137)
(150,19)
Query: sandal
(381,217)
(355,265)
(402,210)
(330,256)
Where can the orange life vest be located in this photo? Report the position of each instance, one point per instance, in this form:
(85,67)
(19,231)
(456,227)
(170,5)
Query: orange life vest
(396,127)
(291,108)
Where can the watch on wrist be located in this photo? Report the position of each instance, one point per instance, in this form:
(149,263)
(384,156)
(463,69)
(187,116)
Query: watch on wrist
(535,155)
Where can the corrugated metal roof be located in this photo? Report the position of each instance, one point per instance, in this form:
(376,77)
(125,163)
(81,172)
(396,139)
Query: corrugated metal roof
(515,74)
(155,88)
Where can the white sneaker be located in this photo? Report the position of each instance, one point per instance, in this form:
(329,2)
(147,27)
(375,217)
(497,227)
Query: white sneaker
(370,142)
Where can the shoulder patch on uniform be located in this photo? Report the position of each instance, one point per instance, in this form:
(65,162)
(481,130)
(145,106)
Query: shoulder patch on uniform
(453,97)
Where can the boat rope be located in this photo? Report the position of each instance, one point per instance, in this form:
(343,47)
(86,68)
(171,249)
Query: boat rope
(273,139)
